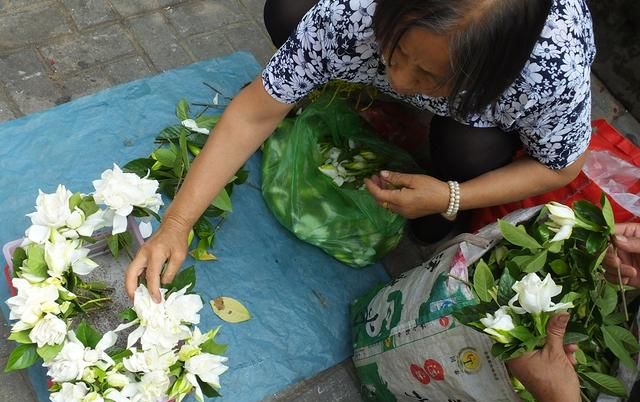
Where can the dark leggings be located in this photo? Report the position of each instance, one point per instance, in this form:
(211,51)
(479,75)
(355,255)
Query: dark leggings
(458,152)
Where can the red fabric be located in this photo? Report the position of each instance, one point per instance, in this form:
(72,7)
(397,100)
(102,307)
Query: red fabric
(604,137)
(7,276)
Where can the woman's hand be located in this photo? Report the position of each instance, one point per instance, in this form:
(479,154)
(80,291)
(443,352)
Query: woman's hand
(548,373)
(627,245)
(410,195)
(168,244)
(248,120)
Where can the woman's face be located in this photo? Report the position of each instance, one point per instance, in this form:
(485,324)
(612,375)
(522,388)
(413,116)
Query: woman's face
(420,64)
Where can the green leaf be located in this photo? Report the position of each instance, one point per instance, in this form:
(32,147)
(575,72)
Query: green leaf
(166,156)
(128,314)
(140,166)
(74,201)
(169,134)
(469,314)
(617,348)
(483,281)
(574,337)
(203,228)
(517,237)
(48,352)
(22,357)
(88,206)
(607,213)
(35,264)
(606,383)
(114,245)
(608,302)
(214,348)
(186,277)
(19,255)
(88,336)
(223,201)
(596,242)
(536,263)
(208,121)
(560,267)
(521,333)
(589,214)
(570,297)
(625,336)
(21,336)
(182,110)
(581,358)
(184,152)
(119,354)
(241,176)
(505,291)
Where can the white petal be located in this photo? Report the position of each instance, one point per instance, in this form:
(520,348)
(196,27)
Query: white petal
(145,229)
(108,340)
(563,234)
(38,234)
(83,266)
(134,336)
(119,224)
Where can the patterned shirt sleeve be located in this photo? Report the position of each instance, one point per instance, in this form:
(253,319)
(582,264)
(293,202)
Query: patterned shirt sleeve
(301,64)
(553,95)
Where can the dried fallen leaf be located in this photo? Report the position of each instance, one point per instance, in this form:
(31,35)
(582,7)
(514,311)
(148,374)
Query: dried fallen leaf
(229,309)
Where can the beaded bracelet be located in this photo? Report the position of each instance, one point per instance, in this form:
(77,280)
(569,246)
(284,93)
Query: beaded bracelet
(454,200)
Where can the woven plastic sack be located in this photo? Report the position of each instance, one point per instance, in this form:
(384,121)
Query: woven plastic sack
(408,346)
(344,222)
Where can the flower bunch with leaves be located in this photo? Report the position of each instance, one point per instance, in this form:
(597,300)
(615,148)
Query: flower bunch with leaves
(554,263)
(167,356)
(49,264)
(170,163)
(349,164)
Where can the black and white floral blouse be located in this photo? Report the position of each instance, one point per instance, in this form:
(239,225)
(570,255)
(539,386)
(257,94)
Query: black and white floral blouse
(548,105)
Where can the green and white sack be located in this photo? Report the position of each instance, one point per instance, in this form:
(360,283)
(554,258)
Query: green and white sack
(408,346)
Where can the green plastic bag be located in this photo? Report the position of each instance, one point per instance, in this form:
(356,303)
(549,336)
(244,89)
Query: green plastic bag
(345,222)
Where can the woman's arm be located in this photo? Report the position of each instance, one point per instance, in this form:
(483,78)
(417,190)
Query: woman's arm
(414,195)
(246,123)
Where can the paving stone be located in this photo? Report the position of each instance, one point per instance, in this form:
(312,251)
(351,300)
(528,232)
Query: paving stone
(27,82)
(127,7)
(85,83)
(15,387)
(23,3)
(18,29)
(88,49)
(213,44)
(5,114)
(256,9)
(158,40)
(5,330)
(336,384)
(202,16)
(129,69)
(89,12)
(250,38)
(629,126)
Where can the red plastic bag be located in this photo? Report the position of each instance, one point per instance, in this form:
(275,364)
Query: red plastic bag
(620,162)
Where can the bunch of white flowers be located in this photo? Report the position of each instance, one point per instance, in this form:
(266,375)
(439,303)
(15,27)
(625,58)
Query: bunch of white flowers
(154,370)
(348,166)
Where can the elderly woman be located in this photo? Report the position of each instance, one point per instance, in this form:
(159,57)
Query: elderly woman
(499,75)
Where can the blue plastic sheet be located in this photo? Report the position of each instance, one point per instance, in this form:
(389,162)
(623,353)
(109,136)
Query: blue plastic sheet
(298,295)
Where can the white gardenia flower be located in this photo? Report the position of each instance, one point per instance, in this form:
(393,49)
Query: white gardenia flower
(332,172)
(152,387)
(563,220)
(208,368)
(64,254)
(162,325)
(93,397)
(52,210)
(50,330)
(70,393)
(31,303)
(153,359)
(74,358)
(193,126)
(534,295)
(117,380)
(121,192)
(499,324)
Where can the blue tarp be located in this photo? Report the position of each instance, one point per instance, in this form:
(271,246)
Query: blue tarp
(298,295)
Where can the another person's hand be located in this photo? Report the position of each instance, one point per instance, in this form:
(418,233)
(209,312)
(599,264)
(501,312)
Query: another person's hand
(409,195)
(548,374)
(168,244)
(627,246)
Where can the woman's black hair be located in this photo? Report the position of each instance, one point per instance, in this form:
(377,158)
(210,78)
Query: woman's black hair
(490,41)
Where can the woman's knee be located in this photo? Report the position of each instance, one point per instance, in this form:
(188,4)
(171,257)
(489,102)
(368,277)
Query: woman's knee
(281,17)
(460,152)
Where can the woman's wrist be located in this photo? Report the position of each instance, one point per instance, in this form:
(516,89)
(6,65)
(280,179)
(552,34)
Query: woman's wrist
(453,201)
